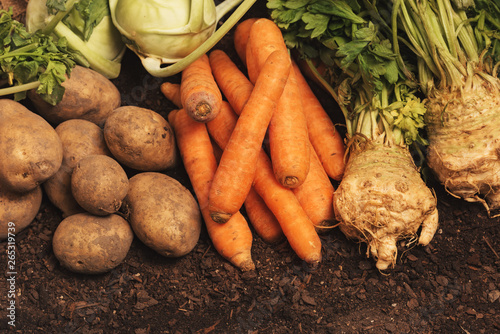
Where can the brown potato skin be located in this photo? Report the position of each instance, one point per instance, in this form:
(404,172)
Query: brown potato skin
(163,214)
(18,208)
(140,139)
(88,95)
(88,244)
(30,149)
(99,184)
(80,138)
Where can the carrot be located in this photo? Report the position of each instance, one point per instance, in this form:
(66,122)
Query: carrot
(240,38)
(232,240)
(324,137)
(297,226)
(200,95)
(289,139)
(235,173)
(231,80)
(315,195)
(261,218)
(264,38)
(288,133)
(294,222)
(172,92)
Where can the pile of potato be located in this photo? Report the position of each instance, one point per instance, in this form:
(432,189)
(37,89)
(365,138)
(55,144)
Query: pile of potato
(101,164)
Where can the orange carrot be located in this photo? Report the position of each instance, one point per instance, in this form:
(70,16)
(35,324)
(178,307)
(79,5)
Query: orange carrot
(240,38)
(297,226)
(200,95)
(231,80)
(288,134)
(264,38)
(324,137)
(232,240)
(316,195)
(261,218)
(235,173)
(172,92)
(294,222)
(289,139)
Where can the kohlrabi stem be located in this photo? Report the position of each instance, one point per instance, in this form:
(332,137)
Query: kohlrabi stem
(19,88)
(177,67)
(54,21)
(110,69)
(225,7)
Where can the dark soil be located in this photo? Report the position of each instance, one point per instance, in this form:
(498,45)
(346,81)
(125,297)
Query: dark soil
(449,286)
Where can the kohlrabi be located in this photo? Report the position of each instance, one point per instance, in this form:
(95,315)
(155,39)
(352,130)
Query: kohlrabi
(173,32)
(87,26)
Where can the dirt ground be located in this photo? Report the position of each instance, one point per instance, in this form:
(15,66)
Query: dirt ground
(449,286)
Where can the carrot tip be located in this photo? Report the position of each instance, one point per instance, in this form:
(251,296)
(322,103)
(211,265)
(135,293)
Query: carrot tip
(220,217)
(247,266)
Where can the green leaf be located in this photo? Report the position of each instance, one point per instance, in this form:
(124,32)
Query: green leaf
(318,23)
(336,7)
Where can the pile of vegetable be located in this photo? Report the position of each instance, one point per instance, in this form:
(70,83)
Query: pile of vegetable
(381,198)
(261,152)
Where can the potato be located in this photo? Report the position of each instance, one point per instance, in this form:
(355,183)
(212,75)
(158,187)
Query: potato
(140,139)
(80,138)
(163,214)
(99,184)
(88,244)
(17,210)
(88,95)
(30,149)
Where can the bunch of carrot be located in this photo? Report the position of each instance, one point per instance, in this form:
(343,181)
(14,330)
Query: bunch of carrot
(286,193)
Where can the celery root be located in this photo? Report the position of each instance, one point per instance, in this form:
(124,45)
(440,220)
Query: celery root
(464,143)
(382,199)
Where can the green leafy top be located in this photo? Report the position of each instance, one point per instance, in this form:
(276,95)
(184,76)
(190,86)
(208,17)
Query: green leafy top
(29,61)
(376,95)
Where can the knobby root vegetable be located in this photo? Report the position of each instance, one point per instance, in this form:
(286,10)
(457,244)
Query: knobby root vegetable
(235,173)
(232,240)
(464,142)
(382,199)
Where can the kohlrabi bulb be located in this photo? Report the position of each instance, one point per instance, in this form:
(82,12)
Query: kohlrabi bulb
(165,29)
